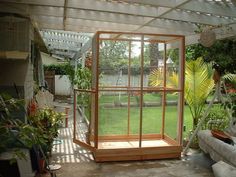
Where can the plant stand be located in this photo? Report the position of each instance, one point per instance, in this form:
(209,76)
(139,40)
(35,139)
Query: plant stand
(53,169)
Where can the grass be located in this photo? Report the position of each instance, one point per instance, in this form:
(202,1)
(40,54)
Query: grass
(113,120)
(149,97)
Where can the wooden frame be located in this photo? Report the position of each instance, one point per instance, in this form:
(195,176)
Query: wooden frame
(174,146)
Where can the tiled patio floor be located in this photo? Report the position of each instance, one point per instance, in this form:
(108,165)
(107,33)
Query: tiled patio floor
(78,162)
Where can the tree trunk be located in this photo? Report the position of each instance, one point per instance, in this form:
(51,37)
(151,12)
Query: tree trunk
(154,55)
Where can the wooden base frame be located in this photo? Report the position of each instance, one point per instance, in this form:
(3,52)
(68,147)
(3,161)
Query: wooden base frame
(105,155)
(143,153)
(112,148)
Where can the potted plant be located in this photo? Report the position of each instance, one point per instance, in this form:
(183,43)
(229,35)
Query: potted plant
(16,136)
(84,81)
(47,122)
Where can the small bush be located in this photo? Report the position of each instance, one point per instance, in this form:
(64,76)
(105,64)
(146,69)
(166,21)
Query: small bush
(216,119)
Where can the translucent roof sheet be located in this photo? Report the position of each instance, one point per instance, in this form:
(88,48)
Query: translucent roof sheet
(182,17)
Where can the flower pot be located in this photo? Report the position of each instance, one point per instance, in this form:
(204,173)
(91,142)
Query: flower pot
(41,165)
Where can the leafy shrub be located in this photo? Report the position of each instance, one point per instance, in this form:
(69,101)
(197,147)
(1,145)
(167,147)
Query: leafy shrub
(216,119)
(47,121)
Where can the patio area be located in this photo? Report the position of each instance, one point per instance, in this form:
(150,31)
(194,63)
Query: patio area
(77,161)
(137,81)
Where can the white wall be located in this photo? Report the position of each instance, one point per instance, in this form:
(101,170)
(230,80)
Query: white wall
(47,59)
(62,85)
(116,80)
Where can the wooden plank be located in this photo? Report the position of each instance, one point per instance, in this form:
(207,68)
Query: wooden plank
(181,103)
(138,154)
(129,71)
(141,95)
(97,92)
(131,33)
(164,97)
(84,90)
(74,114)
(145,89)
(18,55)
(170,140)
(139,151)
(134,40)
(129,137)
(84,145)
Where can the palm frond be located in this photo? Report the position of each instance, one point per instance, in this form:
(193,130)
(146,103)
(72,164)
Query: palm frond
(198,84)
(229,77)
(156,78)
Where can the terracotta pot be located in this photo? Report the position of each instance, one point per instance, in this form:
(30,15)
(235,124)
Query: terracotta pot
(41,165)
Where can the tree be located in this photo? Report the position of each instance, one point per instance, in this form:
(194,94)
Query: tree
(113,55)
(223,53)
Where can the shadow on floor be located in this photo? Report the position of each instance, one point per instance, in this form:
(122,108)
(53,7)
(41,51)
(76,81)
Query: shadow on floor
(76,161)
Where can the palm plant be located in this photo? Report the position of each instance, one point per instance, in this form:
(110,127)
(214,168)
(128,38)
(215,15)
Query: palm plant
(198,85)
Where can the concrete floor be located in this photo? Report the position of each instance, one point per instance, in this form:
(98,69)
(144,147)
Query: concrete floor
(78,162)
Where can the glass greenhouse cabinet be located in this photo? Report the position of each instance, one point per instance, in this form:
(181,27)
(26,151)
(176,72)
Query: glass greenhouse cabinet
(133,107)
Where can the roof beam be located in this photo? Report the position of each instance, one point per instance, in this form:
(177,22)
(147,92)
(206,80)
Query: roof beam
(194,5)
(62,46)
(53,3)
(114,7)
(101,25)
(116,17)
(85,36)
(197,18)
(65,14)
(94,5)
(170,24)
(148,29)
(166,3)
(63,38)
(28,10)
(163,13)
(67,53)
(210,8)
(83,49)
(107,16)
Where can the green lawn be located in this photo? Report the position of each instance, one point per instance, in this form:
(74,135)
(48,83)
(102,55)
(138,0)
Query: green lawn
(113,120)
(148,97)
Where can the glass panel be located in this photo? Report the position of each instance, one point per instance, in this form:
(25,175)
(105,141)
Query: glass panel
(113,113)
(132,37)
(84,116)
(135,65)
(153,65)
(135,114)
(171,115)
(152,113)
(172,65)
(158,38)
(113,63)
